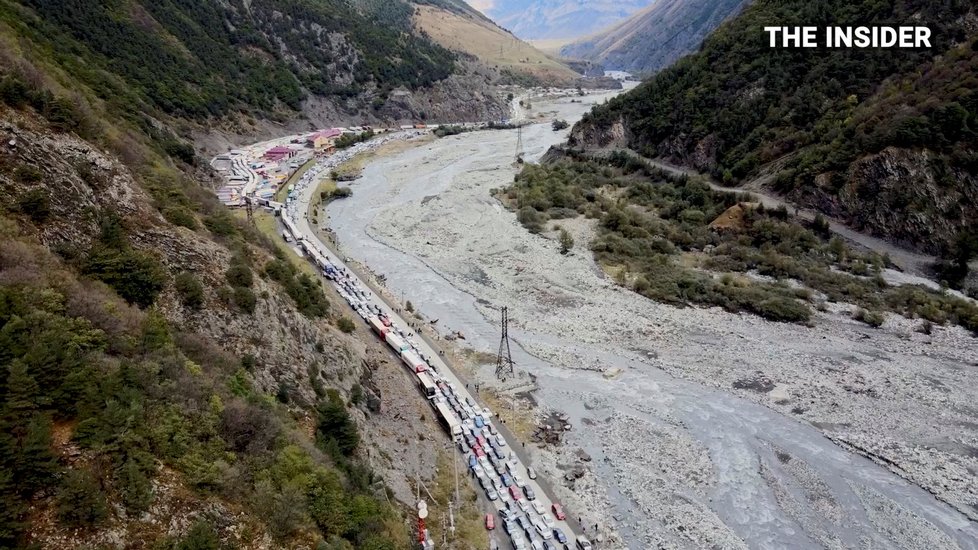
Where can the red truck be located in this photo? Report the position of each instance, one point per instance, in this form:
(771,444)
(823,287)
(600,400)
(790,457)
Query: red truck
(378,327)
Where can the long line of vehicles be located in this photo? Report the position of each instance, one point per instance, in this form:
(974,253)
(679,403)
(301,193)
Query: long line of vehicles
(527,522)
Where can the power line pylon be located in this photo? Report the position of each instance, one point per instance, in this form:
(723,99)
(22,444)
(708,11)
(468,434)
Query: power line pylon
(504,363)
(519,143)
(250,211)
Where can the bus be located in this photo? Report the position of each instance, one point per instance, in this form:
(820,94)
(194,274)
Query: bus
(427,385)
(448,420)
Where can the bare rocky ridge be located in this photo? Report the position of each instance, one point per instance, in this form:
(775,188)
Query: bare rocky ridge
(746,402)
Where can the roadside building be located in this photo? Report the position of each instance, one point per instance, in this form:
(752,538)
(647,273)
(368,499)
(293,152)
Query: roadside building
(324,140)
(279,153)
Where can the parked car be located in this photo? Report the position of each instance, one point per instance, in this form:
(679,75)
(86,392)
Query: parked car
(491,493)
(548,521)
(538,507)
(559,536)
(530,495)
(542,530)
(515,493)
(531,473)
(479,423)
(507,481)
(499,454)
(500,440)
(518,480)
(558,511)
(509,527)
(473,461)
(506,514)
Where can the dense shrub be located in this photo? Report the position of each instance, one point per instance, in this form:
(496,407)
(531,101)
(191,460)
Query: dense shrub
(35,204)
(305,291)
(201,536)
(178,215)
(136,276)
(245,299)
(871,318)
(81,502)
(238,274)
(346,325)
(28,174)
(335,430)
(221,224)
(189,289)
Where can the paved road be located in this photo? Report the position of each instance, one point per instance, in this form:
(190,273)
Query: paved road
(909,261)
(297,211)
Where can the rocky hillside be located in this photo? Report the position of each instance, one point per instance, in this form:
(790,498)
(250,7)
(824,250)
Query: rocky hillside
(557,19)
(169,378)
(656,36)
(881,139)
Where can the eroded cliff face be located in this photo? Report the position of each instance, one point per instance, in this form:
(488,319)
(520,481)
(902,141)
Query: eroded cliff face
(592,136)
(910,197)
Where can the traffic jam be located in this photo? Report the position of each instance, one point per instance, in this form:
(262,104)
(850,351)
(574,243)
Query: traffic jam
(528,523)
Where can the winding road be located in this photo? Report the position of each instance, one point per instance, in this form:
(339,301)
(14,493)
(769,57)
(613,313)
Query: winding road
(908,261)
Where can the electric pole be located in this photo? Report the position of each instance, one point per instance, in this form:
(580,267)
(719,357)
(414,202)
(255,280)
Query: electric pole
(504,359)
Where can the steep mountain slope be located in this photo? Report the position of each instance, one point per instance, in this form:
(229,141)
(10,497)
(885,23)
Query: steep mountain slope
(557,19)
(298,62)
(471,33)
(169,378)
(882,139)
(656,36)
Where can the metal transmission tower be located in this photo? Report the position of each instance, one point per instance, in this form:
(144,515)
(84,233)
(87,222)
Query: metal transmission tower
(504,363)
(250,211)
(519,143)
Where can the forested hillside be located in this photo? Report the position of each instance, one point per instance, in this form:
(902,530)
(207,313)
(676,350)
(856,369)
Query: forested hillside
(882,139)
(208,58)
(169,377)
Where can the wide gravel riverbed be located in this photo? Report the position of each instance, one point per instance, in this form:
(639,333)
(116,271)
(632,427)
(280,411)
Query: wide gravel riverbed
(719,430)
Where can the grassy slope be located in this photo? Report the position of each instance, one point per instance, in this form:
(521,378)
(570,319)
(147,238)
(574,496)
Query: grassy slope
(491,44)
